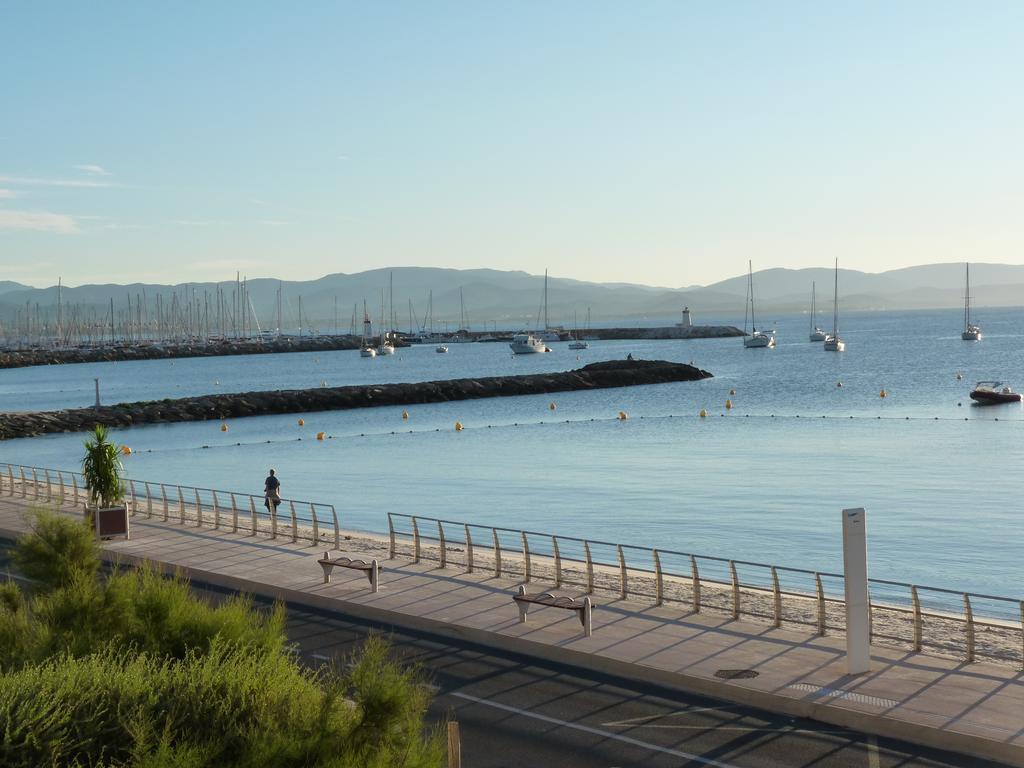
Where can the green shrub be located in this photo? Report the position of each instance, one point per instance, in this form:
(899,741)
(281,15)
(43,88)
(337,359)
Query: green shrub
(228,707)
(55,550)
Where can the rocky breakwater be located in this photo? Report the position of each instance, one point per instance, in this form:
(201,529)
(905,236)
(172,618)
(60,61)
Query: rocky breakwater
(613,373)
(24,358)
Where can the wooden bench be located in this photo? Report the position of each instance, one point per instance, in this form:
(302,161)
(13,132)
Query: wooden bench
(371,569)
(584,608)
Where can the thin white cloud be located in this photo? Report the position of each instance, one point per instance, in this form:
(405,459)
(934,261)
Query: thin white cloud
(93,170)
(38,221)
(37,182)
(343,157)
(7,194)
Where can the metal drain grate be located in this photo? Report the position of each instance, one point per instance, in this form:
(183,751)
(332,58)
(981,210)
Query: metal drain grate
(736,674)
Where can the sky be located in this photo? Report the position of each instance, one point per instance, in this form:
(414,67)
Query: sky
(663,143)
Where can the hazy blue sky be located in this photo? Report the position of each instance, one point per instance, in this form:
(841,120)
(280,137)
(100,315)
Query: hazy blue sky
(651,142)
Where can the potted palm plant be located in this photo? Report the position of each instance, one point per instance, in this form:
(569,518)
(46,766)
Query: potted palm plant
(106,510)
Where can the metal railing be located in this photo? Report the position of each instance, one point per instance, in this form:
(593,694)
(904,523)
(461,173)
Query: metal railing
(910,614)
(223,510)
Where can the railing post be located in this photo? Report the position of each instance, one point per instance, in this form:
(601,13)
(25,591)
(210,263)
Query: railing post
(969,618)
(316,524)
(216,512)
(295,522)
(163,496)
(199,510)
(49,487)
(60,488)
(10,478)
(391,537)
(469,548)
(623,582)
(590,567)
(234,514)
(149,501)
(526,557)
(272,509)
(696,583)
(777,595)
(443,557)
(1022,632)
(252,514)
(181,504)
(415,540)
(24,483)
(558,561)
(337,530)
(820,592)
(735,590)
(35,485)
(131,491)
(659,592)
(497,553)
(916,602)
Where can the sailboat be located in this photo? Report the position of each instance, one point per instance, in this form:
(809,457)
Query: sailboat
(529,343)
(386,346)
(816,333)
(971,332)
(832,342)
(757,339)
(549,333)
(578,342)
(366,346)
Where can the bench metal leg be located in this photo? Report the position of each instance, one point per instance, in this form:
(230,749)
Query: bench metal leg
(586,617)
(523,607)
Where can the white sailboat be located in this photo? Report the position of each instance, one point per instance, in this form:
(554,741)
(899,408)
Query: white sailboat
(529,343)
(816,333)
(578,342)
(366,346)
(971,331)
(757,339)
(833,343)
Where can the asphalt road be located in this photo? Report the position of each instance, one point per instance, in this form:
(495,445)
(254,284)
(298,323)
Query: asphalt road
(517,712)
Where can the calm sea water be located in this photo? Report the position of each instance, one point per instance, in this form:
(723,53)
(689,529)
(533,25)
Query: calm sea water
(765,481)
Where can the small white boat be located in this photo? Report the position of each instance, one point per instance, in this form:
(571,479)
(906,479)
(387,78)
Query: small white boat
(816,333)
(527,344)
(367,352)
(971,331)
(580,344)
(833,343)
(757,339)
(386,348)
(441,349)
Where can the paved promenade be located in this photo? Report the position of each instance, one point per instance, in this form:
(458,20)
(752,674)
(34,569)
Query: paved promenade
(975,709)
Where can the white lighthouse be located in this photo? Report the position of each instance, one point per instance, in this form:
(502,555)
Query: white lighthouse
(686,321)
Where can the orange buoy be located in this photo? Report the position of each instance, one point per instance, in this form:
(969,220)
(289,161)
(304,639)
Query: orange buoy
(223,427)
(405,415)
(883,393)
(703,413)
(302,422)
(551,406)
(458,426)
(622,416)
(126,450)
(728,405)
(320,435)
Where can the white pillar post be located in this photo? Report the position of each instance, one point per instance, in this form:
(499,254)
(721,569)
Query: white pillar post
(855,580)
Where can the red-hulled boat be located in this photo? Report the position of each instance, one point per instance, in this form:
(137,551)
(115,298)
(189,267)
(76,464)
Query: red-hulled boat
(994,393)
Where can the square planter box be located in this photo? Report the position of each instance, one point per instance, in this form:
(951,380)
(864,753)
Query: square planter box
(110,521)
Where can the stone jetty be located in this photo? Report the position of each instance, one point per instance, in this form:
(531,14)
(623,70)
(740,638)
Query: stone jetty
(613,373)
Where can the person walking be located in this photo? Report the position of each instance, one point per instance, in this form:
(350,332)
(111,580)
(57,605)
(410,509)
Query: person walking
(271,491)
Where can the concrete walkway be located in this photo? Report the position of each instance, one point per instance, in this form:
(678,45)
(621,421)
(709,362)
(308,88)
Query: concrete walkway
(975,709)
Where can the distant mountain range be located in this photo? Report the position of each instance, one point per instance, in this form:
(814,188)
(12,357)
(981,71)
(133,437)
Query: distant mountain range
(514,299)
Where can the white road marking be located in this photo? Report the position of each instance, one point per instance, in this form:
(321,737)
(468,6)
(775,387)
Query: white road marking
(595,731)
(873,752)
(640,720)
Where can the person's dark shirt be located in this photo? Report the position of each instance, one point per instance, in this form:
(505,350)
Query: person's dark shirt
(272,483)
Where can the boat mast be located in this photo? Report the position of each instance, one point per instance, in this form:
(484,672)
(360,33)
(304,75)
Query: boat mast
(835,304)
(545,300)
(812,306)
(967,298)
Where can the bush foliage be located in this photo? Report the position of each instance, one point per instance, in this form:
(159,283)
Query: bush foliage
(132,669)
